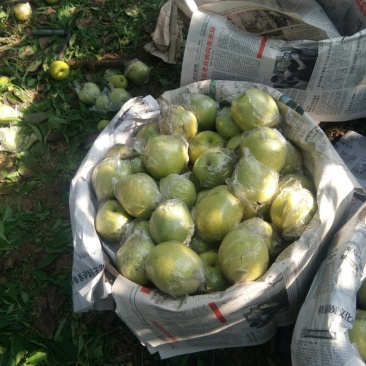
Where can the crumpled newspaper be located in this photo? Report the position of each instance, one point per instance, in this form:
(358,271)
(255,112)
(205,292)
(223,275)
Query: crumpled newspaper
(167,37)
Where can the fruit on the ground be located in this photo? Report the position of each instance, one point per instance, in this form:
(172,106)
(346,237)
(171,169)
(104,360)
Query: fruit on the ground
(148,130)
(164,155)
(102,124)
(22,11)
(175,269)
(103,103)
(59,70)
(357,333)
(361,296)
(214,277)
(225,125)
(216,213)
(131,256)
(138,194)
(203,141)
(180,187)
(4,80)
(119,96)
(171,220)
(176,120)
(254,108)
(8,114)
(104,175)
(243,256)
(205,108)
(294,160)
(253,181)
(213,166)
(292,210)
(267,145)
(110,220)
(119,81)
(137,72)
(89,93)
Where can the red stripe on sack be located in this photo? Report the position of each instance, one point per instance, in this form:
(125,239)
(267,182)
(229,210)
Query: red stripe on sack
(261,47)
(217,312)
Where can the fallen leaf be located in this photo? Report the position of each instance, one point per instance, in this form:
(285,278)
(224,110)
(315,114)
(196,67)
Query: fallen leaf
(43,41)
(35,118)
(34,66)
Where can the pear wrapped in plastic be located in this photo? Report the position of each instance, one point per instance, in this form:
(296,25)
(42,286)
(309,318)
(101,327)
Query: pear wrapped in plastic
(175,269)
(268,146)
(243,256)
(171,220)
(253,182)
(180,187)
(216,213)
(130,257)
(111,220)
(138,194)
(176,120)
(254,108)
(105,175)
(213,166)
(292,210)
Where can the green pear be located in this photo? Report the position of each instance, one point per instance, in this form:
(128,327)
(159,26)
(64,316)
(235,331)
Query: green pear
(110,220)
(216,213)
(203,141)
(175,269)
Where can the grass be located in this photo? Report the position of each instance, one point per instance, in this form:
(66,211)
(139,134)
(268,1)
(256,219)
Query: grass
(37,325)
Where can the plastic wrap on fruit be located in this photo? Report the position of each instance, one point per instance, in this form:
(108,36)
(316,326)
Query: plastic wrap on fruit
(178,186)
(176,120)
(216,213)
(296,178)
(243,256)
(118,97)
(104,175)
(171,220)
(110,220)
(88,93)
(252,181)
(225,124)
(121,150)
(164,155)
(144,133)
(138,194)
(205,109)
(214,166)
(254,108)
(131,256)
(294,161)
(267,145)
(261,228)
(137,72)
(292,210)
(8,114)
(199,245)
(136,224)
(14,139)
(175,269)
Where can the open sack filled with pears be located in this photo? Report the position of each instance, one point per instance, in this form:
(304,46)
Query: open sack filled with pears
(213,207)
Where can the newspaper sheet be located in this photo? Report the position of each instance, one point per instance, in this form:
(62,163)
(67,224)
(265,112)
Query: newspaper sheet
(315,57)
(320,335)
(242,315)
